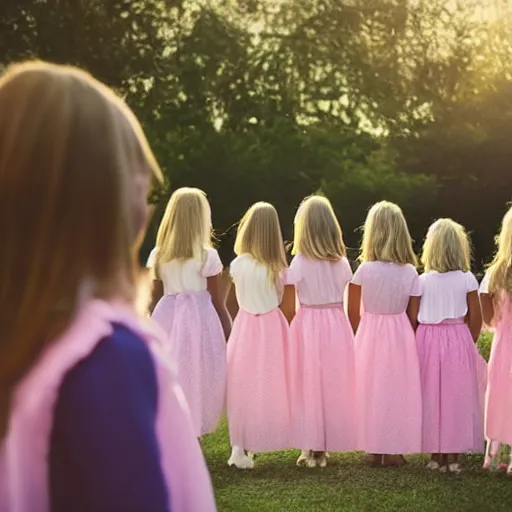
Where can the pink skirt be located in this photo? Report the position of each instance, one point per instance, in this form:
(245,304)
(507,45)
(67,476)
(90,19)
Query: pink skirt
(197,348)
(388,386)
(322,380)
(450,367)
(498,421)
(258,402)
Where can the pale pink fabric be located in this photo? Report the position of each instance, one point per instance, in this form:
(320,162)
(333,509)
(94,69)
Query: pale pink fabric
(195,338)
(197,347)
(322,357)
(23,453)
(322,380)
(498,417)
(388,387)
(444,296)
(258,403)
(387,287)
(451,376)
(317,281)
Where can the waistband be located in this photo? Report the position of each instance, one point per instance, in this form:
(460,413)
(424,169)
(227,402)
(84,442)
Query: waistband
(448,321)
(259,314)
(188,294)
(336,305)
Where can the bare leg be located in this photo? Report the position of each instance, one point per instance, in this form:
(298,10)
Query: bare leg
(375,459)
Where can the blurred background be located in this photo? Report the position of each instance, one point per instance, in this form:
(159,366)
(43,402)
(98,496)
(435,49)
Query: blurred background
(361,100)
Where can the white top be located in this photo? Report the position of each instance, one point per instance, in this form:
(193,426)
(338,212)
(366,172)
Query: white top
(187,276)
(386,287)
(255,292)
(484,285)
(319,282)
(444,296)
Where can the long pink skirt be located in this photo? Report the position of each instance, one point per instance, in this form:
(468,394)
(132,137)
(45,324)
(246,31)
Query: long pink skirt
(258,402)
(498,420)
(388,386)
(322,380)
(197,348)
(453,421)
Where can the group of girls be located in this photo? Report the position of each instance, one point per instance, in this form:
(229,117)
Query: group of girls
(393,372)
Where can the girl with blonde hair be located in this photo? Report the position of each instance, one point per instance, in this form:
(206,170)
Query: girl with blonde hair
(258,396)
(91,416)
(449,325)
(322,341)
(388,389)
(192,311)
(496,302)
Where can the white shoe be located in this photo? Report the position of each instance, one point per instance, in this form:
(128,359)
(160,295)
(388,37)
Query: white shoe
(322,461)
(455,468)
(433,465)
(304,456)
(443,469)
(311,462)
(240,460)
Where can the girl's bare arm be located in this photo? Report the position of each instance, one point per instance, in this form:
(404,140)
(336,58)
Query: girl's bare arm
(354,305)
(487,308)
(218,292)
(413,309)
(474,318)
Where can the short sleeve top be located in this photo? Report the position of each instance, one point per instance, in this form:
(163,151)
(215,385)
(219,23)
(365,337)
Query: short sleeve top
(444,295)
(484,285)
(255,291)
(386,287)
(187,276)
(319,282)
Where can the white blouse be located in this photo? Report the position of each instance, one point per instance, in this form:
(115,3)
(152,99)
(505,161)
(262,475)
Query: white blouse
(484,285)
(187,276)
(444,296)
(255,292)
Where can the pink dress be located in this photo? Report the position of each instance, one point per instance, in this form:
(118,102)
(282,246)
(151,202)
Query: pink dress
(258,402)
(195,337)
(24,479)
(450,366)
(498,408)
(388,387)
(322,357)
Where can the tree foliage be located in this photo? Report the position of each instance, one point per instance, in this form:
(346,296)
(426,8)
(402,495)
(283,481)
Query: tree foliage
(408,100)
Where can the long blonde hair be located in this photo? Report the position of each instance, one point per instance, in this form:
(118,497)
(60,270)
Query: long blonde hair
(386,236)
(186,228)
(259,234)
(317,232)
(500,269)
(446,248)
(70,151)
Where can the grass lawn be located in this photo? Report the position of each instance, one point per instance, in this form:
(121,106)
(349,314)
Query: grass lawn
(347,484)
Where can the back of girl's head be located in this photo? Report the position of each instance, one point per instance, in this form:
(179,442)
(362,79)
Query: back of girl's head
(317,233)
(186,227)
(446,248)
(501,266)
(259,234)
(70,151)
(386,236)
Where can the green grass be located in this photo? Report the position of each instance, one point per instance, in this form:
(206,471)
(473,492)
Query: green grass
(348,485)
